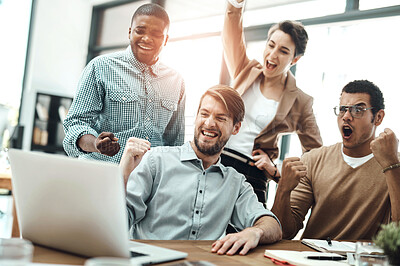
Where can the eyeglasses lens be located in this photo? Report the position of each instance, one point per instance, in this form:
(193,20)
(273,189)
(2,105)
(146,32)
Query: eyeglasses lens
(355,111)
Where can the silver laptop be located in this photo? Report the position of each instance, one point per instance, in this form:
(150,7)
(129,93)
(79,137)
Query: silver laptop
(76,206)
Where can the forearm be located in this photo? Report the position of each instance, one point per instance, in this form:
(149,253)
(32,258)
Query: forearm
(233,40)
(385,150)
(393,183)
(270,228)
(87,143)
(282,210)
(127,166)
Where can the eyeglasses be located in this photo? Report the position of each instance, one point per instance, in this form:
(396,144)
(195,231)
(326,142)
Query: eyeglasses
(356,111)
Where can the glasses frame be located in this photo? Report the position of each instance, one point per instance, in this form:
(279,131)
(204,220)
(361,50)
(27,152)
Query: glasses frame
(350,109)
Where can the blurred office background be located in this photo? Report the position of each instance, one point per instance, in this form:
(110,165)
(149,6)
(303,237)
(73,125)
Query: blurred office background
(45,45)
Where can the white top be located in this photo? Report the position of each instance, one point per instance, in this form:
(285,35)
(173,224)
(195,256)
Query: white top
(356,162)
(260,111)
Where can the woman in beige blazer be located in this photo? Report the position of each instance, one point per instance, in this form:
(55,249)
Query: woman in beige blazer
(271,97)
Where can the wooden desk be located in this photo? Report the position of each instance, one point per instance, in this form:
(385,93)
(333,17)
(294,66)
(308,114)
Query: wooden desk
(5,180)
(197,250)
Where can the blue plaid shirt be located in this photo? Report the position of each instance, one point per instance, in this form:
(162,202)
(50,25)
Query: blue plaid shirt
(119,94)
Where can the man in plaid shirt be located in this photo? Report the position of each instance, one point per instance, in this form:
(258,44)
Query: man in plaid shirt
(128,94)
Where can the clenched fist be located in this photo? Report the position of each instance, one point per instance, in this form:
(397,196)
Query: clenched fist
(292,171)
(384,148)
(106,143)
(135,148)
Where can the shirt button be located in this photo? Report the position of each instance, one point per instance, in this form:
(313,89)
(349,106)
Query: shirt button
(204,173)
(148,118)
(150,101)
(124,98)
(201,191)
(172,106)
(147,138)
(197,212)
(193,232)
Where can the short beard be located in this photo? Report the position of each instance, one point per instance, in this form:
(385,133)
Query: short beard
(213,150)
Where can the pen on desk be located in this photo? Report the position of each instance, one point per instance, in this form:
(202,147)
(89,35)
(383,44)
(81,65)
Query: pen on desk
(329,241)
(325,258)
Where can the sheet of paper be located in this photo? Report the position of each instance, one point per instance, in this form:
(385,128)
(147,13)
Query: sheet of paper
(300,257)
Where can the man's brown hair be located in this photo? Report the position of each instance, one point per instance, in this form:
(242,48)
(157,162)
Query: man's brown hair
(230,98)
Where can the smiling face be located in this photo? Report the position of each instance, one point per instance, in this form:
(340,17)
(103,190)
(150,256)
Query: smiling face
(357,133)
(279,54)
(213,127)
(147,35)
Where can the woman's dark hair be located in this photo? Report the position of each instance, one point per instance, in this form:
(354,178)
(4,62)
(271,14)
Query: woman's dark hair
(296,30)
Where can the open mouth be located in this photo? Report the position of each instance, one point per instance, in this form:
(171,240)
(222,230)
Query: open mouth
(347,131)
(209,134)
(270,65)
(145,47)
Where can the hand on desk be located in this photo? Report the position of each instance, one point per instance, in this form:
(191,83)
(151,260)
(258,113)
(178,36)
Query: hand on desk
(231,243)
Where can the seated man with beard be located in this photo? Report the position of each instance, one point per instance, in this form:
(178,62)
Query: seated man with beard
(186,193)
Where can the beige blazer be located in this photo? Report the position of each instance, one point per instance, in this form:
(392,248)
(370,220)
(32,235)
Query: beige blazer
(294,113)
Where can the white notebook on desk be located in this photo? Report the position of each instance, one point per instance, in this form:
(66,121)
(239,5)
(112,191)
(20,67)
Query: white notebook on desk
(341,247)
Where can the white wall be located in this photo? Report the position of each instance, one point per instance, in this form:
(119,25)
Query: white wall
(57,55)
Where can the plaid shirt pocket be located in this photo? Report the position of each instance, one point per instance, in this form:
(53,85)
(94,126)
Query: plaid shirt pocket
(163,117)
(124,110)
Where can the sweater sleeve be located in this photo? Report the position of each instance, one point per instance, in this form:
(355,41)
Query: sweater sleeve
(302,197)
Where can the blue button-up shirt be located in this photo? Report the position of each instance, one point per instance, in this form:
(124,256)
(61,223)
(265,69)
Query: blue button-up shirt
(171,196)
(119,94)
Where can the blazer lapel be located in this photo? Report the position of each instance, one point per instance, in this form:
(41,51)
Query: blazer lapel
(288,97)
(250,78)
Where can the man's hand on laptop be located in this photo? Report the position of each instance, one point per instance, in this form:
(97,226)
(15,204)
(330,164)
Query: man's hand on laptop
(135,148)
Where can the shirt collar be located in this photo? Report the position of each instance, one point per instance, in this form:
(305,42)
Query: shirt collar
(154,69)
(188,154)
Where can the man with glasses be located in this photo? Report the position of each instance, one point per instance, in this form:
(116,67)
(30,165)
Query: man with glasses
(352,187)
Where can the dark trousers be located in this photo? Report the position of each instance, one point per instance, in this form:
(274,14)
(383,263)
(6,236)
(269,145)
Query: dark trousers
(254,176)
